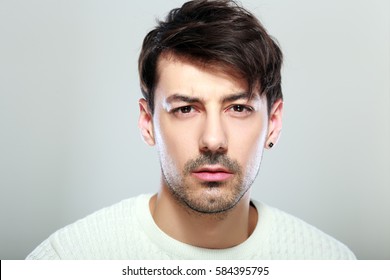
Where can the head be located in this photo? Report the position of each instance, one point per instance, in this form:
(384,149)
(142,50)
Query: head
(210,76)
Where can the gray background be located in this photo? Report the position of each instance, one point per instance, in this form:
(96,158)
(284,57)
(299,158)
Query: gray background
(69,143)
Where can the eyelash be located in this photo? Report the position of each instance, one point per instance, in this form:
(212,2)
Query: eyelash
(180,109)
(236,108)
(242,108)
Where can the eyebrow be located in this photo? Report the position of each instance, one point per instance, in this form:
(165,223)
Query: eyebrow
(229,98)
(237,96)
(183,98)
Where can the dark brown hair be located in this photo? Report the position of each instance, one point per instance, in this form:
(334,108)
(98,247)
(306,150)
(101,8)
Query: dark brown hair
(214,32)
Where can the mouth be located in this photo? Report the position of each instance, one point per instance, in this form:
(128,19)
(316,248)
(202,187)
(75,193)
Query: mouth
(212,174)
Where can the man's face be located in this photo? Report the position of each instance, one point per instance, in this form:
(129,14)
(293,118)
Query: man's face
(209,135)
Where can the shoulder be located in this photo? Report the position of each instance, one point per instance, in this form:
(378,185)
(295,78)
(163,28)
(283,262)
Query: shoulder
(44,251)
(293,238)
(96,236)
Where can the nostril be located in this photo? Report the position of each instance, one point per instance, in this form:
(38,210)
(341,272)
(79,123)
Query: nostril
(216,148)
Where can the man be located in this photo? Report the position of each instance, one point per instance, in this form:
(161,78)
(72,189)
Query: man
(210,76)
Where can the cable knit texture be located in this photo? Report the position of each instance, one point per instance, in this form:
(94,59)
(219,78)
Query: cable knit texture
(126,230)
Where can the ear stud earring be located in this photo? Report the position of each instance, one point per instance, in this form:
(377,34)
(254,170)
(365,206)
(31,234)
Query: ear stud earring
(270,145)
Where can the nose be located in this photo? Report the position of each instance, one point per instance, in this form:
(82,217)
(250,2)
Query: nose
(213,138)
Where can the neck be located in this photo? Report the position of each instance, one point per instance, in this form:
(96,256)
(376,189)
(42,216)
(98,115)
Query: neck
(213,231)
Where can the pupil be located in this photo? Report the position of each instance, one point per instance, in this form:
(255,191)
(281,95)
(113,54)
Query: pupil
(239,108)
(186,109)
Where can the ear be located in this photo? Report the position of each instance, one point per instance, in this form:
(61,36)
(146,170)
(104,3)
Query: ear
(274,123)
(145,122)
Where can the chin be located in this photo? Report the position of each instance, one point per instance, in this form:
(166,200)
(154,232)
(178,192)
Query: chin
(213,200)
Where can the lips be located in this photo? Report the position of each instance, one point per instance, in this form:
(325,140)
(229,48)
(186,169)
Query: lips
(212,174)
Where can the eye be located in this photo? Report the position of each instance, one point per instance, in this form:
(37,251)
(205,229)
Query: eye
(240,110)
(184,111)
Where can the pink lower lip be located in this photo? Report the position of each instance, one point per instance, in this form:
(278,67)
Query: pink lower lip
(212,176)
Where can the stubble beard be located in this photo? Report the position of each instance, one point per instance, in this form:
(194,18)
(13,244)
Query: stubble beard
(208,198)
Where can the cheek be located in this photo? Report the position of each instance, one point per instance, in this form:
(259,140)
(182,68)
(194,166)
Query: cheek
(176,144)
(247,142)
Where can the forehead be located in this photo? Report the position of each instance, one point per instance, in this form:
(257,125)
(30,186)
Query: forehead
(177,74)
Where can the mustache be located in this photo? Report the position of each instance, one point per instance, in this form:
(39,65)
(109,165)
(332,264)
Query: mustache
(212,159)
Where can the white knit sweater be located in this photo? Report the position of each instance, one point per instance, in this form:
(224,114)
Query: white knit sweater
(126,230)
